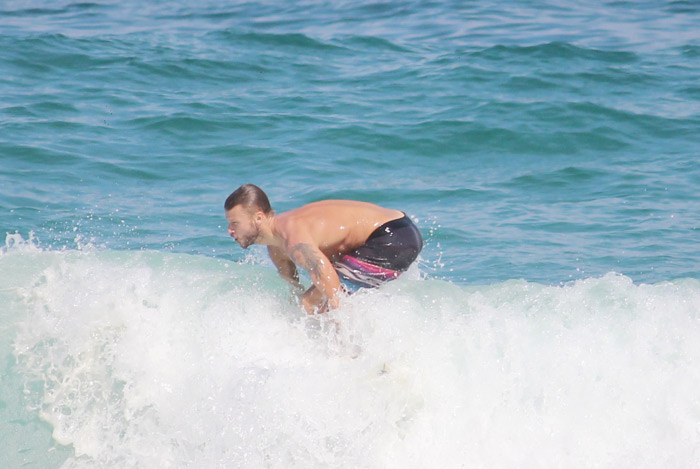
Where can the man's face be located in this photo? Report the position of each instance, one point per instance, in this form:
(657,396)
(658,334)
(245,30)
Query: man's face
(243,225)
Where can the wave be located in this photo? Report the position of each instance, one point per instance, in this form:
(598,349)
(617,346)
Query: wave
(557,50)
(278,40)
(564,177)
(144,358)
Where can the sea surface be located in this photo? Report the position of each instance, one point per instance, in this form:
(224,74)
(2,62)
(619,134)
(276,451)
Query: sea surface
(547,150)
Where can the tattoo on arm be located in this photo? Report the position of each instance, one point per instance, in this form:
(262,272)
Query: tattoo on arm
(326,282)
(308,258)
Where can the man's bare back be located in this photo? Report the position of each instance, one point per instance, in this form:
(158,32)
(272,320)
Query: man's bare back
(369,244)
(334,226)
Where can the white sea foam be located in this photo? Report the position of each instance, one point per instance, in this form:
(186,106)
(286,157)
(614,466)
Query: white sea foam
(16,242)
(145,359)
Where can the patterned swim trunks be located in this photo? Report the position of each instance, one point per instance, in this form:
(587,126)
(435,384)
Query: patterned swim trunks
(388,252)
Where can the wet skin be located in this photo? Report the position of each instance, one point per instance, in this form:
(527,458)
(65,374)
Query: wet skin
(311,237)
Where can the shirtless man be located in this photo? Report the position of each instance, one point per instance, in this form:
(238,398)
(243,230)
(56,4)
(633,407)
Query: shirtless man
(364,243)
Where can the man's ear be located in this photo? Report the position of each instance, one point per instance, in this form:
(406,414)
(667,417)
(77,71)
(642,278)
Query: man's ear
(259,216)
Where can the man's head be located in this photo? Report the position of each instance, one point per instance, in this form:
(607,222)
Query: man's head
(246,208)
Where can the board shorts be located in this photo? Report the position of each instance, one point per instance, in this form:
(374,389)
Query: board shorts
(388,252)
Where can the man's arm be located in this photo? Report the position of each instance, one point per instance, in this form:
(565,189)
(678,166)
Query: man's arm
(286,268)
(326,282)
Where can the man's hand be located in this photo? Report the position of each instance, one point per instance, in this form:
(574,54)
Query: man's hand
(314,302)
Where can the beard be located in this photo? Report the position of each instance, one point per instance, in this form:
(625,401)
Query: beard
(251,239)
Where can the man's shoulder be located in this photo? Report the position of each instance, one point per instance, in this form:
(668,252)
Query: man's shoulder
(294,229)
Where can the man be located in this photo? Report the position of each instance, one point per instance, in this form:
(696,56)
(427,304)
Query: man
(364,243)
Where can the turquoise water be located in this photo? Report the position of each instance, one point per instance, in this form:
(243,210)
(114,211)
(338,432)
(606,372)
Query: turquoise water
(546,149)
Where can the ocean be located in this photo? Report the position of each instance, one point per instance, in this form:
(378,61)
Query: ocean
(547,150)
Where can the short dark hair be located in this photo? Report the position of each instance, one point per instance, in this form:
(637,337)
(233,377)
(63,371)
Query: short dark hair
(248,195)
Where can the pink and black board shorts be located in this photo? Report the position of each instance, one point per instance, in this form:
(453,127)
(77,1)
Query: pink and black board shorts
(388,252)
